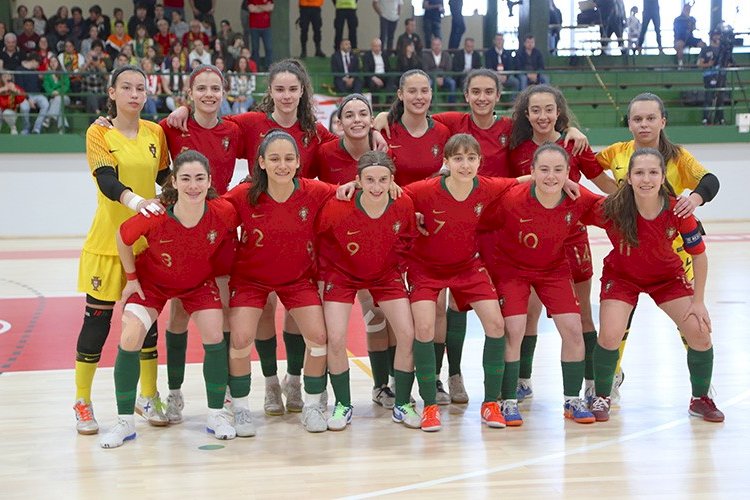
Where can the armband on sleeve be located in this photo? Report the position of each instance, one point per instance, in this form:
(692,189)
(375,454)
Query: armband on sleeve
(108,183)
(708,187)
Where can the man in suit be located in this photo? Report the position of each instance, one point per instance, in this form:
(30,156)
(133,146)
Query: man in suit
(498,59)
(437,63)
(344,65)
(375,65)
(465,61)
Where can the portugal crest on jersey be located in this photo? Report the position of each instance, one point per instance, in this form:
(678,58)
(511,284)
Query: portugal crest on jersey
(211,236)
(225,143)
(503,140)
(397,226)
(568,218)
(329,287)
(152,149)
(435,150)
(96,282)
(303,213)
(478,209)
(671,232)
(608,286)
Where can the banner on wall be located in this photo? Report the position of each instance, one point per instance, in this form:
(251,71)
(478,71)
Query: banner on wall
(326,105)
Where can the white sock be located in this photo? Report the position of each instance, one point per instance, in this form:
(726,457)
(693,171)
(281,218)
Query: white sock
(130,419)
(175,392)
(214,411)
(272,380)
(292,378)
(313,399)
(241,403)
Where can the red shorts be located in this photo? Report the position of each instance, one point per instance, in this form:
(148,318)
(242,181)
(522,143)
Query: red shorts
(224,256)
(616,288)
(300,293)
(471,285)
(338,287)
(578,253)
(556,292)
(204,296)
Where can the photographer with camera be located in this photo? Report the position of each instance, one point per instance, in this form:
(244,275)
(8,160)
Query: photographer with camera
(713,58)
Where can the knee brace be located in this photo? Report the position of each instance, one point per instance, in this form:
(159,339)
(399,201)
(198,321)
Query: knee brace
(142,315)
(94,332)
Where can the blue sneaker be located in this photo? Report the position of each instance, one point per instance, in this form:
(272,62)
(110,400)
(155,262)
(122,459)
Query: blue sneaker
(524,390)
(576,410)
(341,417)
(513,418)
(407,415)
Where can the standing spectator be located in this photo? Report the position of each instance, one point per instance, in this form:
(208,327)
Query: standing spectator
(498,59)
(56,84)
(178,27)
(408,59)
(30,80)
(117,40)
(62,13)
(96,18)
(634,29)
(433,14)
(150,6)
(40,20)
(260,29)
(28,39)
(437,63)
(242,85)
(11,54)
(94,86)
(344,66)
(141,17)
(200,53)
(77,25)
(310,15)
(203,11)
(613,21)
(160,14)
(714,76)
(174,83)
(684,25)
(11,97)
(163,38)
(466,60)
(458,27)
(59,35)
(555,24)
(195,33)
(650,13)
(73,63)
(142,41)
(346,12)
(153,90)
(174,6)
(389,12)
(409,36)
(376,67)
(530,60)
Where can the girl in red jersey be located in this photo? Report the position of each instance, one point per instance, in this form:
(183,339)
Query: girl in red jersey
(540,116)
(361,245)
(176,263)
(534,220)
(277,210)
(451,206)
(641,224)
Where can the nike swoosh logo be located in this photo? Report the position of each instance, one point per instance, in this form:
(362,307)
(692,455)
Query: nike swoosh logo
(619,168)
(350,233)
(525,220)
(113,151)
(166,241)
(395,146)
(438,212)
(257,216)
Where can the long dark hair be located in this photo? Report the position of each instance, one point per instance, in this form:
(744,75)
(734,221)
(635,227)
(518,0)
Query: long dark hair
(620,207)
(112,105)
(397,107)
(169,193)
(522,129)
(259,177)
(668,150)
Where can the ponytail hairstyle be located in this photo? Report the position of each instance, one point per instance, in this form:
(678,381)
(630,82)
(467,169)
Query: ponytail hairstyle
(620,207)
(305,109)
(112,105)
(375,158)
(259,177)
(668,150)
(397,107)
(169,194)
(522,129)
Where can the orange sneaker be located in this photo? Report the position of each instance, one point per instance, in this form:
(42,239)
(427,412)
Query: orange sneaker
(492,416)
(431,419)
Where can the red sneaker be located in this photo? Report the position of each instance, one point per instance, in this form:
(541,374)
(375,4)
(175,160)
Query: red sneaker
(600,409)
(492,415)
(431,419)
(705,407)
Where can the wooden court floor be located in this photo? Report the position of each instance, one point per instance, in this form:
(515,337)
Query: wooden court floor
(649,448)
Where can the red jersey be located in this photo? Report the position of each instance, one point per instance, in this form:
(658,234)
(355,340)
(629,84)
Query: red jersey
(189,37)
(363,248)
(180,258)
(276,245)
(585,163)
(492,141)
(221,145)
(417,158)
(255,125)
(165,42)
(452,245)
(653,260)
(533,237)
(333,163)
(260,20)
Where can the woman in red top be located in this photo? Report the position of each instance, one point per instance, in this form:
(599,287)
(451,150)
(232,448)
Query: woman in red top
(641,224)
(176,263)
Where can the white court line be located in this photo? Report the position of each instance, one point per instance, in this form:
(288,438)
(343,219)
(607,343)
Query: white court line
(543,458)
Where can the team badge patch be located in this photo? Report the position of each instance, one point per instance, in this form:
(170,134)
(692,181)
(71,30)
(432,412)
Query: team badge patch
(211,236)
(568,218)
(152,149)
(503,140)
(303,213)
(608,286)
(397,226)
(329,287)
(96,282)
(435,150)
(478,209)
(502,301)
(225,143)
(671,232)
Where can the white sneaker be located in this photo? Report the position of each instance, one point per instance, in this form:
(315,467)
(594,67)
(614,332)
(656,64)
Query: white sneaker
(243,422)
(442,397)
(272,404)
(85,422)
(407,415)
(313,418)
(457,390)
(152,409)
(384,397)
(123,430)
(614,395)
(341,417)
(291,387)
(218,424)
(175,405)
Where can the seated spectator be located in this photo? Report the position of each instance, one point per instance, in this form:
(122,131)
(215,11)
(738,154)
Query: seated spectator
(174,6)
(236,47)
(409,59)
(28,40)
(127,51)
(141,18)
(153,90)
(178,51)
(684,25)
(3,31)
(530,60)
(200,53)
(160,14)
(117,40)
(220,50)
(11,98)
(174,83)
(203,11)
(195,33)
(437,64)
(163,38)
(345,66)
(45,54)
(409,36)
(61,14)
(178,27)
(86,42)
(11,54)
(73,63)
(502,61)
(59,35)
(225,108)
(98,53)
(121,60)
(77,28)
(226,35)
(56,85)
(375,65)
(466,60)
(242,85)
(96,18)
(40,20)
(22,13)
(30,80)
(117,15)
(94,85)
(141,41)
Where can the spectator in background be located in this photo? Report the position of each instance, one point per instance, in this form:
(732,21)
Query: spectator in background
(44,53)
(3,31)
(433,13)
(195,33)
(174,83)
(555,23)
(178,27)
(408,59)
(226,34)
(613,22)
(153,90)
(40,20)
(141,41)
(30,80)
(128,52)
(97,53)
(28,40)
(344,66)
(121,60)
(375,65)
(530,60)
(160,14)
(650,13)
(96,18)
(389,12)
(150,6)
(260,29)
(203,11)
(11,54)
(177,50)
(714,76)
(458,27)
(225,108)
(684,25)
(498,59)
(117,15)
(56,85)
(73,62)
(310,15)
(634,29)
(242,85)
(61,13)
(77,25)
(200,53)
(437,63)
(140,18)
(59,35)
(22,13)
(220,51)
(409,36)
(346,12)
(86,43)
(466,60)
(174,6)
(94,85)
(163,38)
(11,97)
(117,40)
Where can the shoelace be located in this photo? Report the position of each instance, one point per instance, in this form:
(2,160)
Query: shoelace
(388,392)
(340,410)
(84,412)
(708,402)
(510,407)
(492,409)
(430,412)
(600,404)
(578,405)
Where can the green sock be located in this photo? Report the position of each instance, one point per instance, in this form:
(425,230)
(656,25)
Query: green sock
(439,352)
(267,354)
(341,388)
(404,383)
(215,373)
(379,366)
(295,354)
(605,361)
(493,362)
(572,372)
(700,365)
(314,385)
(176,349)
(424,363)
(589,340)
(391,360)
(127,372)
(227,339)
(454,339)
(239,385)
(528,346)
(510,380)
